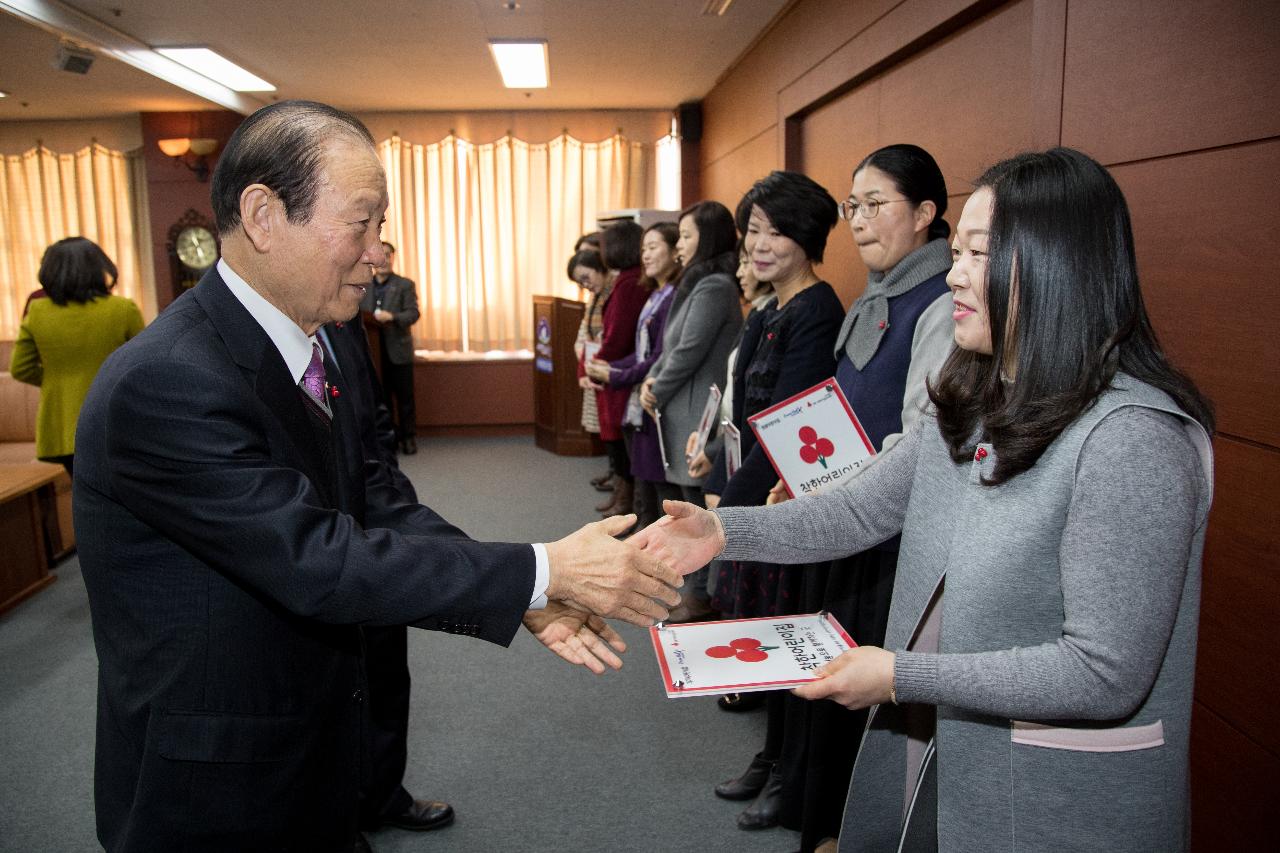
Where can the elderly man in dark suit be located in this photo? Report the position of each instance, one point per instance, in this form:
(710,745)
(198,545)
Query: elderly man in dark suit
(233,541)
(392,304)
(383,797)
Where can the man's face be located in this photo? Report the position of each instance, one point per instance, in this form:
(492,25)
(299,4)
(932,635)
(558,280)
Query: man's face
(322,268)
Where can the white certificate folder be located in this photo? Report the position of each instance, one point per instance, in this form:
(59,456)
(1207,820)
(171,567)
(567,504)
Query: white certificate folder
(746,655)
(813,439)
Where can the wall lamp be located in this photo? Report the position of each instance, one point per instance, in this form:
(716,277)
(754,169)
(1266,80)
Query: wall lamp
(179,149)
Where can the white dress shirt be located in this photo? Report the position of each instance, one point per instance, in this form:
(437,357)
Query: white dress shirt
(295,348)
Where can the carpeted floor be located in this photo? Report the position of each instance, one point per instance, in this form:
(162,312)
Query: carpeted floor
(533,754)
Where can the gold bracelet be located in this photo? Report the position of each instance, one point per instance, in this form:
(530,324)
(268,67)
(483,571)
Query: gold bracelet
(893,691)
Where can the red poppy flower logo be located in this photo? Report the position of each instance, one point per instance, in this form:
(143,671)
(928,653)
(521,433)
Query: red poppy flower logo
(815,448)
(744,649)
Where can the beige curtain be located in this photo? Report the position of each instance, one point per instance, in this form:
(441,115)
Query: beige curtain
(481,228)
(95,193)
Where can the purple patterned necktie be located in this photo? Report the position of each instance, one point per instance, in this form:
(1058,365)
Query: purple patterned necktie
(313,379)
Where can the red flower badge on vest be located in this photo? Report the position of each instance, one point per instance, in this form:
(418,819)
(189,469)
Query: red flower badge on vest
(815,448)
(746,649)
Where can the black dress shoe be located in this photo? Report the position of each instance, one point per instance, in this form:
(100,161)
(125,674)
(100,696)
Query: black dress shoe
(738,702)
(603,483)
(749,783)
(422,815)
(764,812)
(409,446)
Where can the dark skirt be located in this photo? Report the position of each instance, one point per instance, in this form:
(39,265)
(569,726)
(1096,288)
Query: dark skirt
(821,739)
(747,589)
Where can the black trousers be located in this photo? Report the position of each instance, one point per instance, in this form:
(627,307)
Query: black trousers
(382,793)
(397,387)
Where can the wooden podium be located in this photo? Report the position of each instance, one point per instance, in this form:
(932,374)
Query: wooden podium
(557,399)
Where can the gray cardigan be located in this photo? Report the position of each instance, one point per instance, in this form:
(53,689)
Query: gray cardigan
(1071,599)
(695,348)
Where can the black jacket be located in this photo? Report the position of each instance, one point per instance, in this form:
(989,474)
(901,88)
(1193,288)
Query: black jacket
(231,550)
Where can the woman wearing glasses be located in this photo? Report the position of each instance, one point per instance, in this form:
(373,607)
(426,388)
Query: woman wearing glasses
(895,335)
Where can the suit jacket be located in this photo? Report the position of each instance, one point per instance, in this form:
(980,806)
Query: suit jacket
(231,552)
(701,328)
(401,299)
(364,392)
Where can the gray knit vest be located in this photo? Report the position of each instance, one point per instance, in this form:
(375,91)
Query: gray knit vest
(998,549)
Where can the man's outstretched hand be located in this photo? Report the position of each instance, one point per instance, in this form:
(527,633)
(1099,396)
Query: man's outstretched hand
(579,638)
(686,538)
(592,571)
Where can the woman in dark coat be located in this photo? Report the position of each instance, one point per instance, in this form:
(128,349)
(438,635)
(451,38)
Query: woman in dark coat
(786,218)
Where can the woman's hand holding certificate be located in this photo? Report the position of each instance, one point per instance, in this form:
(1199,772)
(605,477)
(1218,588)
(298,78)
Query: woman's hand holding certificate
(858,678)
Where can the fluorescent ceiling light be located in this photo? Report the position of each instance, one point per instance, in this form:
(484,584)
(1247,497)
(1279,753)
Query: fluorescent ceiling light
(522,63)
(216,67)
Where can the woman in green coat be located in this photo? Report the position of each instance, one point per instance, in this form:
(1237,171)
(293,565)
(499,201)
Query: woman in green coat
(64,339)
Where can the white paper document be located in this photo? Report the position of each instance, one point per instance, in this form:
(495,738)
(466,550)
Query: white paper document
(709,412)
(813,439)
(746,655)
(662,445)
(732,447)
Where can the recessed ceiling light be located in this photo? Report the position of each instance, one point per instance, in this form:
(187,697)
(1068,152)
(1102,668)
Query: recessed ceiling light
(523,63)
(4,94)
(216,67)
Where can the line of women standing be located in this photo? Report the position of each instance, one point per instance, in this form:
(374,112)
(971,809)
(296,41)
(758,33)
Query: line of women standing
(1032,691)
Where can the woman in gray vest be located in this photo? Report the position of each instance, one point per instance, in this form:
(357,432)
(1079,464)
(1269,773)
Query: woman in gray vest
(1034,689)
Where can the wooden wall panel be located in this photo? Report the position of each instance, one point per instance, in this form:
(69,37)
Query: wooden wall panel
(445,393)
(1147,79)
(1236,676)
(887,40)
(728,178)
(1233,788)
(925,101)
(833,140)
(1205,226)
(744,102)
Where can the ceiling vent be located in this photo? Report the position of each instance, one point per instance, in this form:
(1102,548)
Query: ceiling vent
(77,60)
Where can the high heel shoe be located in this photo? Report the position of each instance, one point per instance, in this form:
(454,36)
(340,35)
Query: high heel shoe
(749,783)
(738,702)
(765,810)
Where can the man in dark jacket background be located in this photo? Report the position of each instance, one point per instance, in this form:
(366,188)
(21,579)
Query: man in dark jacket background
(392,304)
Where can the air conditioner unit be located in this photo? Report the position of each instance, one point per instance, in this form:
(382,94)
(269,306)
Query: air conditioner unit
(643,216)
(77,60)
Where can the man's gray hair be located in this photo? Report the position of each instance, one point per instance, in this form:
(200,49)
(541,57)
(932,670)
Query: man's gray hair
(280,146)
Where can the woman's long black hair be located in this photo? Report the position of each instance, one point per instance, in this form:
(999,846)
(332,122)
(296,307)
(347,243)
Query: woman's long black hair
(1061,249)
(717,243)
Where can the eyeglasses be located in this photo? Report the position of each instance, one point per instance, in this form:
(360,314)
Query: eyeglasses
(869,208)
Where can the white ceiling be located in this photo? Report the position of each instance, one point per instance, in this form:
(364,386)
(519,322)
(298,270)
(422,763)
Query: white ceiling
(403,55)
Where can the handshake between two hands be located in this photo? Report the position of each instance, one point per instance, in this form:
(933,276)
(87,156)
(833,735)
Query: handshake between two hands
(594,575)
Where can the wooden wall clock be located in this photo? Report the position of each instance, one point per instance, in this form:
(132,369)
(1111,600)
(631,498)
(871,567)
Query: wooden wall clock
(193,249)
